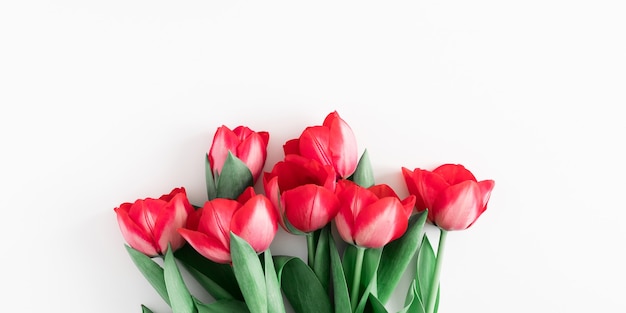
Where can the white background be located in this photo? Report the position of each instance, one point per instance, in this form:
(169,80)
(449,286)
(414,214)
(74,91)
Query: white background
(104,102)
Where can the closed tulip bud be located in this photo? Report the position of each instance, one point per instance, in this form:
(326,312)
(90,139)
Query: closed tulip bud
(149,225)
(303,191)
(451,193)
(251,217)
(245,144)
(333,143)
(371,217)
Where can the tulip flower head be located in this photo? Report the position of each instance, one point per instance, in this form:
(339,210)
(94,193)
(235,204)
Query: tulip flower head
(247,145)
(332,143)
(451,193)
(371,217)
(251,217)
(303,191)
(149,225)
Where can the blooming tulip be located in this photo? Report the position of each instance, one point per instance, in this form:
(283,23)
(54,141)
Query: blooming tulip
(451,193)
(303,191)
(251,217)
(333,143)
(247,145)
(371,217)
(149,225)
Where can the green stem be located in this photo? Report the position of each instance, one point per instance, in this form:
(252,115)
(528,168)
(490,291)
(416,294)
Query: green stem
(434,287)
(356,279)
(310,246)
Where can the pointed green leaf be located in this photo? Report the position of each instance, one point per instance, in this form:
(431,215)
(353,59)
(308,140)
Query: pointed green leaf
(144,309)
(249,274)
(397,255)
(234,178)
(152,271)
(222,306)
(426,261)
(302,288)
(321,265)
(210,180)
(274,296)
(180,298)
(221,274)
(364,174)
(413,303)
(374,305)
(363,299)
(340,286)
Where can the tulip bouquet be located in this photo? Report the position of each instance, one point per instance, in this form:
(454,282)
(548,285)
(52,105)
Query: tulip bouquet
(360,236)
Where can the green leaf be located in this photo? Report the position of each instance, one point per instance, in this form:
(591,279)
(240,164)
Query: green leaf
(340,286)
(144,309)
(413,303)
(213,288)
(234,178)
(274,296)
(222,306)
(221,274)
(368,290)
(301,287)
(249,274)
(374,305)
(180,298)
(397,255)
(210,180)
(152,271)
(364,174)
(426,261)
(349,260)
(321,265)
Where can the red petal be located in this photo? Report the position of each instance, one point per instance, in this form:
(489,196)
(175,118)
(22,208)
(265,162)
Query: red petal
(224,140)
(172,217)
(310,207)
(410,179)
(207,246)
(256,223)
(216,217)
(253,152)
(378,224)
(429,185)
(454,173)
(383,191)
(342,145)
(292,147)
(314,144)
(458,206)
(135,235)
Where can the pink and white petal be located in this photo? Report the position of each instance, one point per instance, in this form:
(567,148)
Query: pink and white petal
(135,235)
(173,216)
(411,184)
(224,140)
(253,152)
(380,223)
(256,223)
(458,206)
(486,186)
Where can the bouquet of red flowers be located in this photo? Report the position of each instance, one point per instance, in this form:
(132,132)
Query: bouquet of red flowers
(320,189)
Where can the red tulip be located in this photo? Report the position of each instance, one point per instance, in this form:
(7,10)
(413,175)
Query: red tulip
(453,196)
(247,145)
(332,143)
(371,217)
(303,191)
(148,225)
(251,217)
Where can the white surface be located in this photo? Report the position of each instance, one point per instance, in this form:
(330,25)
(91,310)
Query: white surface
(104,102)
